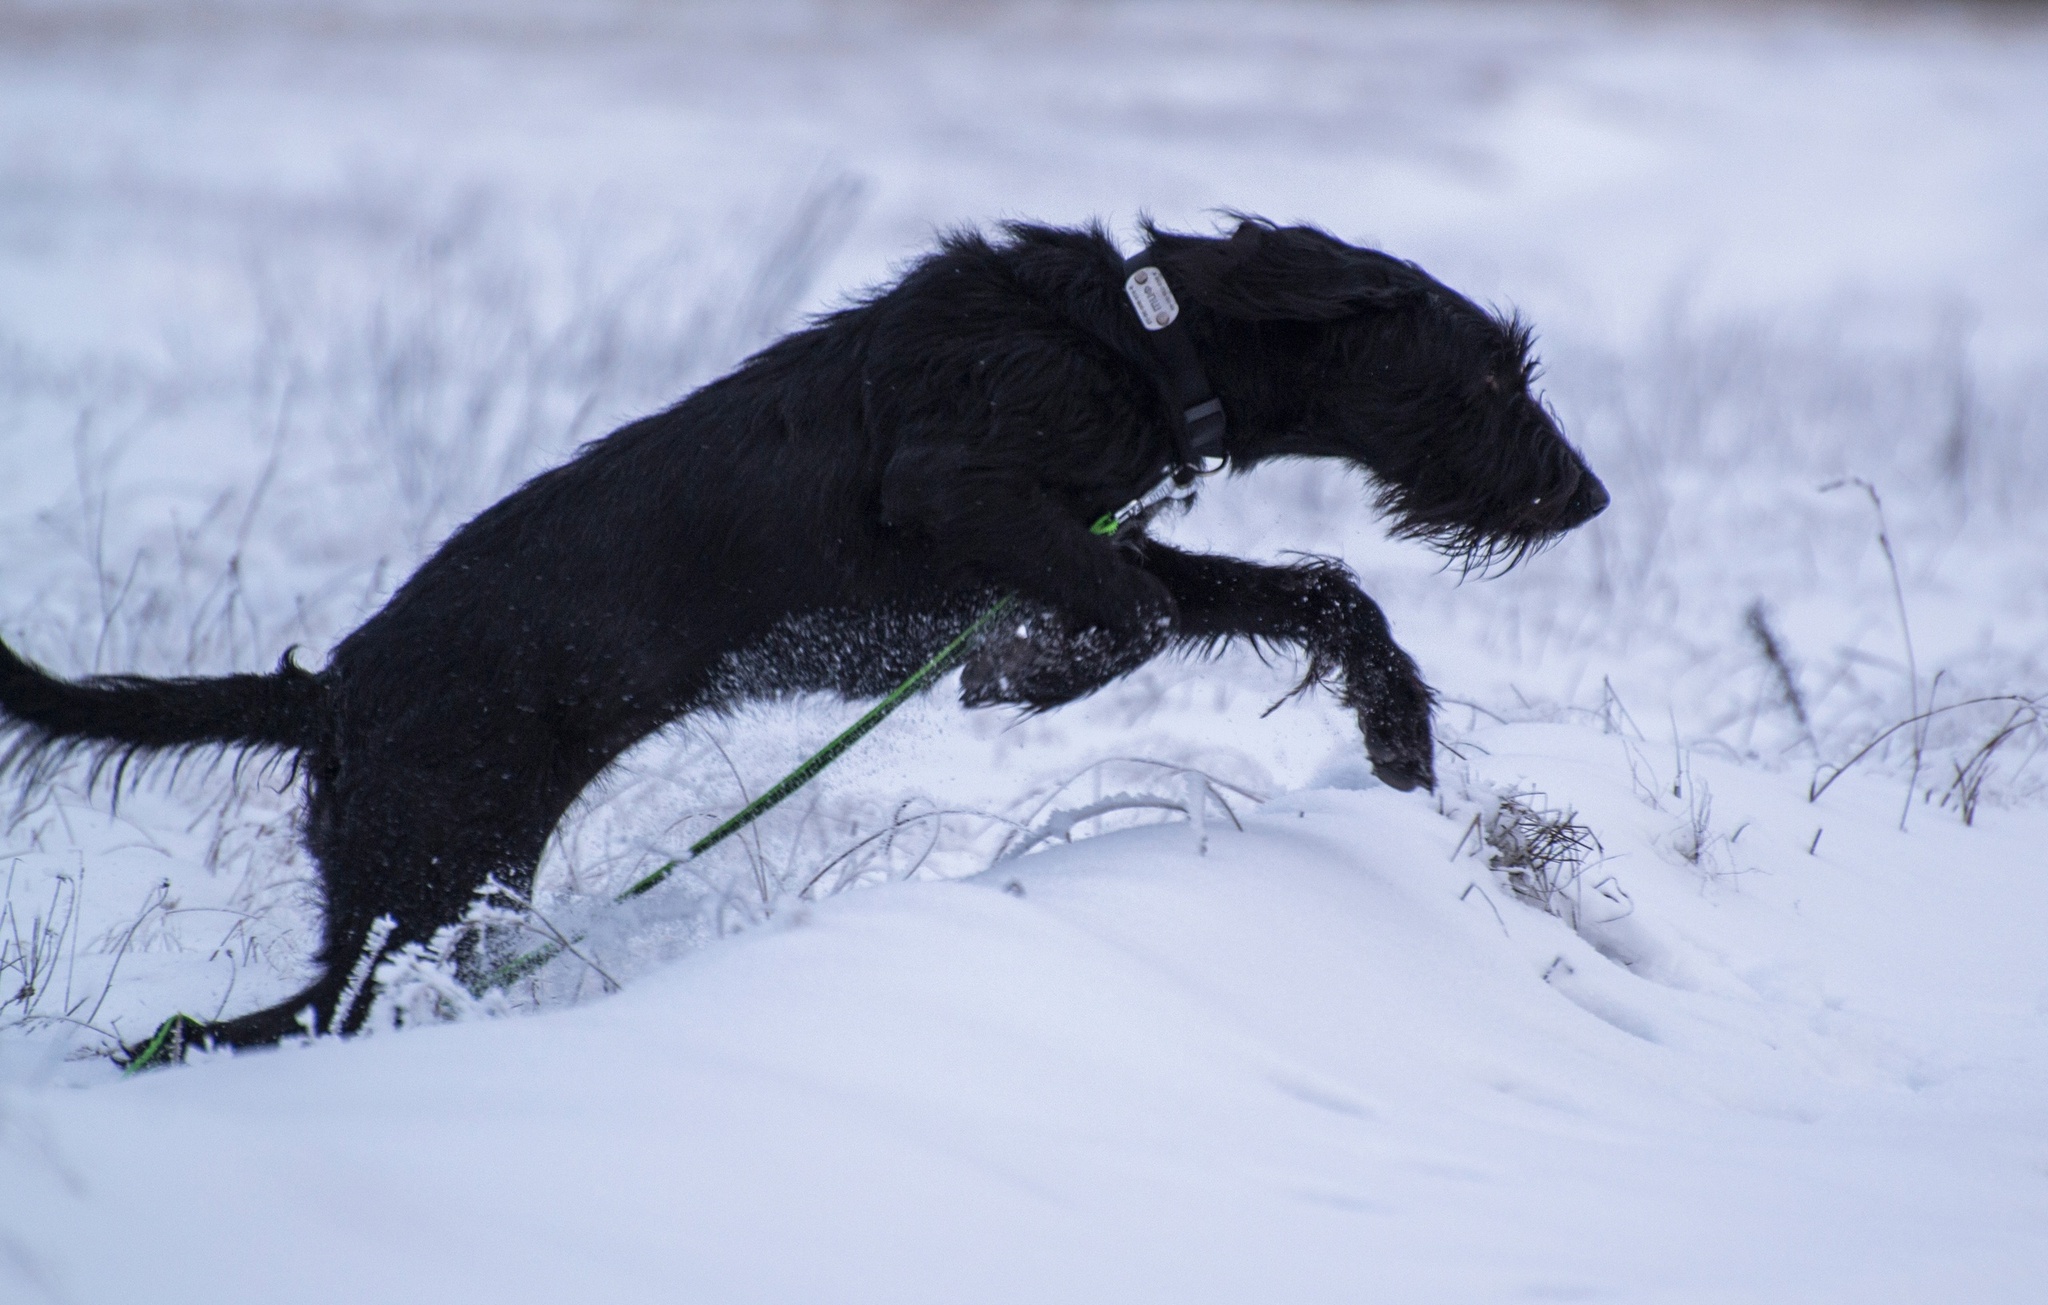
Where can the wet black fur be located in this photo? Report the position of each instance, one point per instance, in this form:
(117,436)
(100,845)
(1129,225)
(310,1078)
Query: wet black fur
(828,515)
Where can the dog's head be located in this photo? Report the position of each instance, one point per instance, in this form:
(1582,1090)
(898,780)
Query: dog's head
(1337,351)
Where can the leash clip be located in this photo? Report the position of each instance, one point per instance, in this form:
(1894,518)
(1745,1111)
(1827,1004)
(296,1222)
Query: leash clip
(1168,487)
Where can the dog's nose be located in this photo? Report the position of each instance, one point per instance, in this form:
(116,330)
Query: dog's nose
(1589,500)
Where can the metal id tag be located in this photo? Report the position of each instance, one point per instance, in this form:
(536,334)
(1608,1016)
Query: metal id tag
(1153,298)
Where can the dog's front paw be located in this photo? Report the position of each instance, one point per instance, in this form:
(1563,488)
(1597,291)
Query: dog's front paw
(1043,659)
(1008,661)
(1405,773)
(1397,735)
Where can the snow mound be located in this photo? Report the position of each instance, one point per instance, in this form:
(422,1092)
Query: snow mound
(1331,1056)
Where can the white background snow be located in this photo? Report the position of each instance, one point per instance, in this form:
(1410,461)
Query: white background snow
(287,290)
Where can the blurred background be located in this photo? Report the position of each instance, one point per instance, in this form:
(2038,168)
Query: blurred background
(290,289)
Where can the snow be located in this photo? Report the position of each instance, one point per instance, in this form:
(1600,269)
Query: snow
(1327,1059)
(289,289)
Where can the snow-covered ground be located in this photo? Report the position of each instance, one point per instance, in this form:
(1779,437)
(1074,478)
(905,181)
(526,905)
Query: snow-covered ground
(1327,1061)
(288,289)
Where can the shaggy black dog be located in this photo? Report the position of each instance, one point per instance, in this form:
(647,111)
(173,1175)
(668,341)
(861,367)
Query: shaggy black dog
(830,514)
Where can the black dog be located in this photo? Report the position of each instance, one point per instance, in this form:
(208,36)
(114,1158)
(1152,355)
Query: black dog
(829,515)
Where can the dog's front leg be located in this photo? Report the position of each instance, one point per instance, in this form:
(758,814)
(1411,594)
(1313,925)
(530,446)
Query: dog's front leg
(1318,606)
(1001,529)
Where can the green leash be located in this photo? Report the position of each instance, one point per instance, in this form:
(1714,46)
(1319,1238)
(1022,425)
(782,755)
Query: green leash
(166,1045)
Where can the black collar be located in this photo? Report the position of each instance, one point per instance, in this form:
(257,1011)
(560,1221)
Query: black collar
(1198,435)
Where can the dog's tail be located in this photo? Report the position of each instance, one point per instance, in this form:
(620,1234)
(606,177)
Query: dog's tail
(127,714)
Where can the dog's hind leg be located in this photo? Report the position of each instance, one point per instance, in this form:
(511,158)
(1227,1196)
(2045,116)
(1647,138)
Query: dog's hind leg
(406,835)
(1317,606)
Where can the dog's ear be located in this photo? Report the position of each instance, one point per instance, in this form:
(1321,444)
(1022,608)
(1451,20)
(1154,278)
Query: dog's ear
(1265,273)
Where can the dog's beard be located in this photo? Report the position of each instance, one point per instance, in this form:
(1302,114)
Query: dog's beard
(1474,551)
(1482,533)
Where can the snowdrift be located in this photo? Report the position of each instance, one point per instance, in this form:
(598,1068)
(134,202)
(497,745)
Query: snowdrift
(1330,1056)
